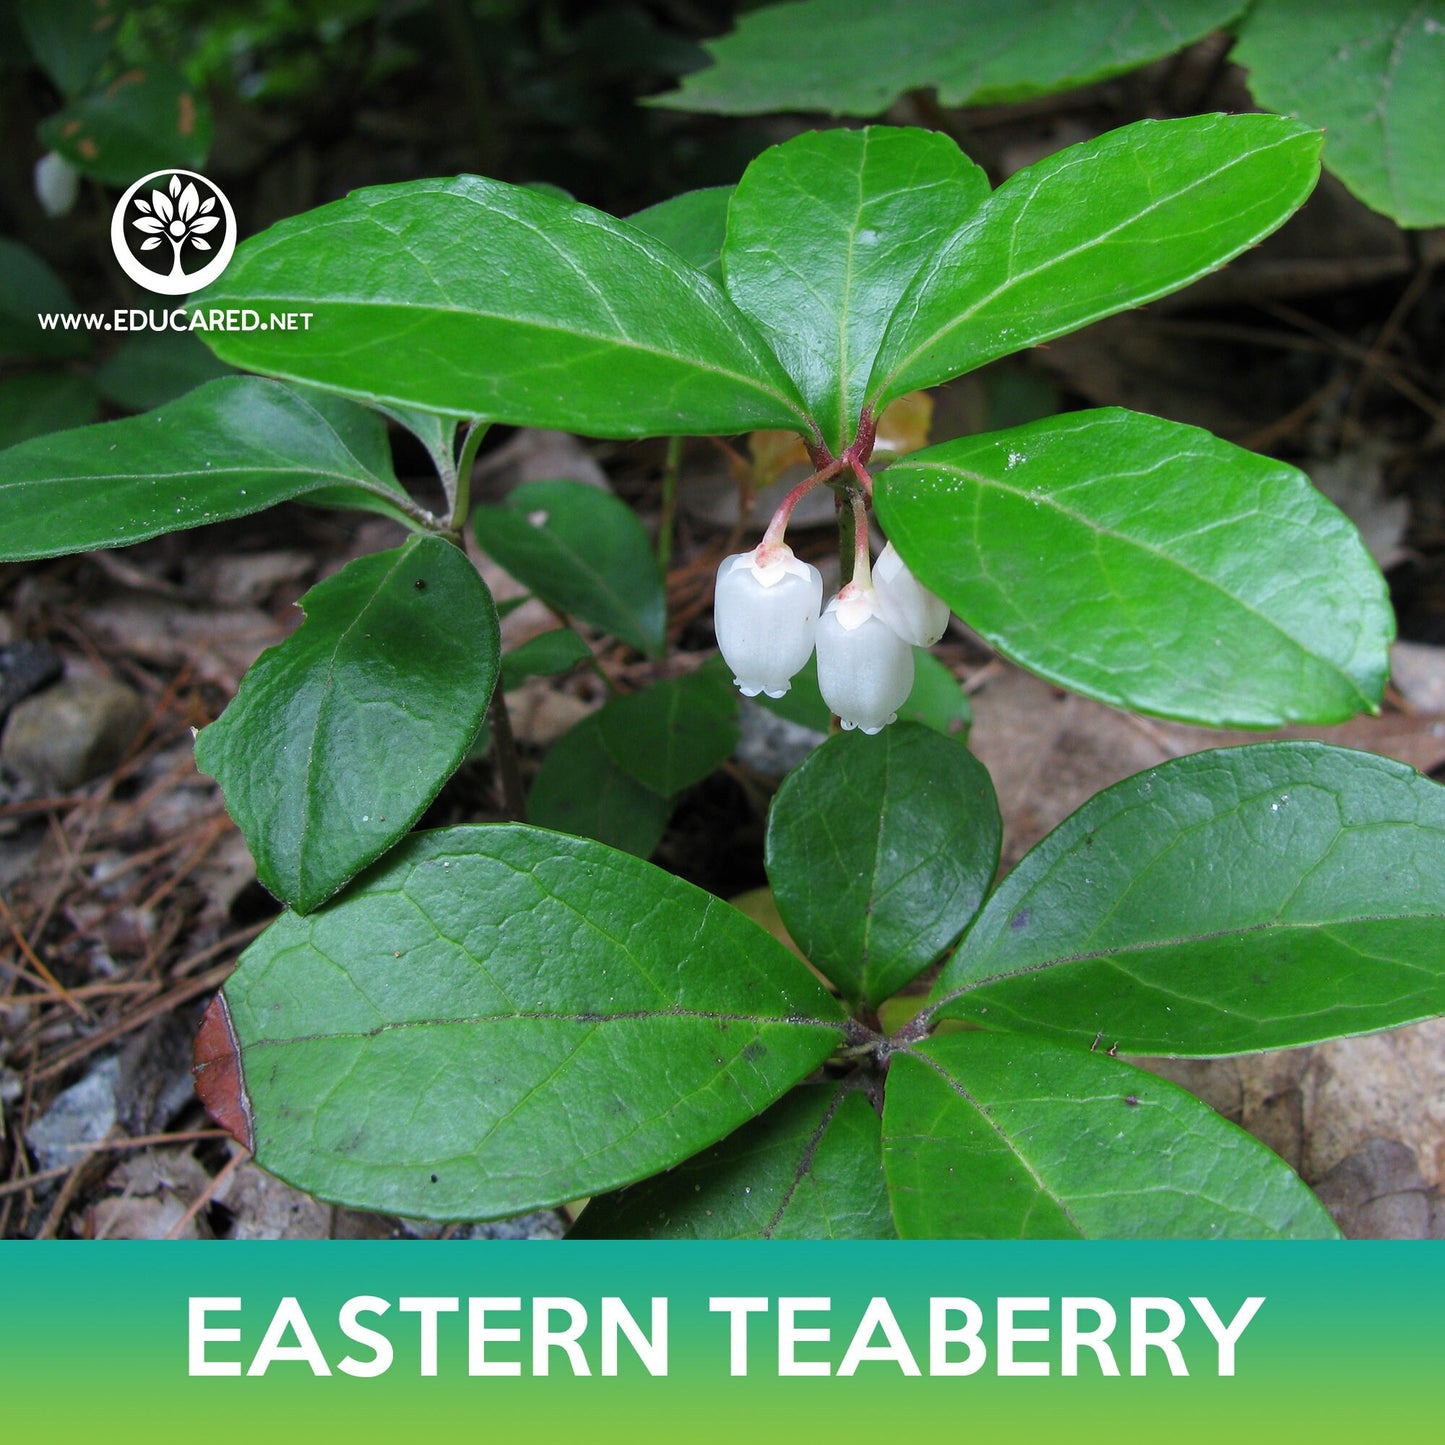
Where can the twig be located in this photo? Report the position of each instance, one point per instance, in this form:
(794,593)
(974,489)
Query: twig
(239,1155)
(34,961)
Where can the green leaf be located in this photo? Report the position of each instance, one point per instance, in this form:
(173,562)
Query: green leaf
(474,298)
(692,224)
(880,850)
(1149,565)
(674,733)
(582,551)
(992,1136)
(545,655)
(824,236)
(937,701)
(36,403)
(1369,76)
(27,287)
(227,449)
(810,1168)
(340,736)
(975,52)
(156,367)
(1248,898)
(69,38)
(503,1018)
(1093,230)
(579,789)
(143,121)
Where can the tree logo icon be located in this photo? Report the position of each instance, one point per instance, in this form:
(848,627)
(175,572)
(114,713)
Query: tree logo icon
(173,232)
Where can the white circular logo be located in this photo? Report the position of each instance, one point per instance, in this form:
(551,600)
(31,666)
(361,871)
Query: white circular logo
(167,220)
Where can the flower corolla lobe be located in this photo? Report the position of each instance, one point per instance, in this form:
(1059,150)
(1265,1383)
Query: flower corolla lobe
(905,604)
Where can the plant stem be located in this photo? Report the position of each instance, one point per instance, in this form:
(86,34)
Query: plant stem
(461,498)
(504,745)
(671,468)
(779,524)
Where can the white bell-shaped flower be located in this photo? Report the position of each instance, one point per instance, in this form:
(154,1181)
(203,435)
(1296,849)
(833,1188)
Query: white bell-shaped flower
(905,604)
(766,613)
(865,669)
(57,183)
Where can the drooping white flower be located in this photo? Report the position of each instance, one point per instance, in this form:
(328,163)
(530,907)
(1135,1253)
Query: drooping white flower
(865,669)
(57,184)
(766,613)
(905,604)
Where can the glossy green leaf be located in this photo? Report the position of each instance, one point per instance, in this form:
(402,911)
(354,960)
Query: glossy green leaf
(69,38)
(1370,77)
(1093,230)
(475,298)
(1248,898)
(692,224)
(143,121)
(880,850)
(996,1136)
(27,287)
(36,403)
(580,789)
(937,701)
(502,1018)
(226,449)
(974,52)
(545,655)
(810,1168)
(1149,565)
(340,736)
(155,367)
(582,551)
(674,733)
(824,236)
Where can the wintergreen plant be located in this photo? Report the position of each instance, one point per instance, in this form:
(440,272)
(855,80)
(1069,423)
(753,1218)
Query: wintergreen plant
(475,1021)
(1368,74)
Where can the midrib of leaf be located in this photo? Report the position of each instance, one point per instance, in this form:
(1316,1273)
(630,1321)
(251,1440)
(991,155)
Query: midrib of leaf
(805,1162)
(324,707)
(586,1018)
(621,339)
(1114,953)
(987,1116)
(1015,278)
(1052,502)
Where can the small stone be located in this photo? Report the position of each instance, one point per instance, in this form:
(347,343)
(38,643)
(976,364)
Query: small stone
(83,1115)
(72,732)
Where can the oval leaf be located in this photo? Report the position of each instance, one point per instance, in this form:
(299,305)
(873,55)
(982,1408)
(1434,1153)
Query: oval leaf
(475,298)
(973,52)
(227,449)
(880,850)
(692,224)
(145,120)
(1093,230)
(992,1136)
(1369,76)
(1149,565)
(1242,899)
(810,1168)
(824,235)
(579,789)
(582,551)
(340,737)
(675,733)
(503,1018)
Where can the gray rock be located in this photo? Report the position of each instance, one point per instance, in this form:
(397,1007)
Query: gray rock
(84,1114)
(78,729)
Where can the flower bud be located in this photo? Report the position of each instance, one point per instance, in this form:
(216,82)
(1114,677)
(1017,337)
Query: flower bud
(766,612)
(57,183)
(865,669)
(905,604)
